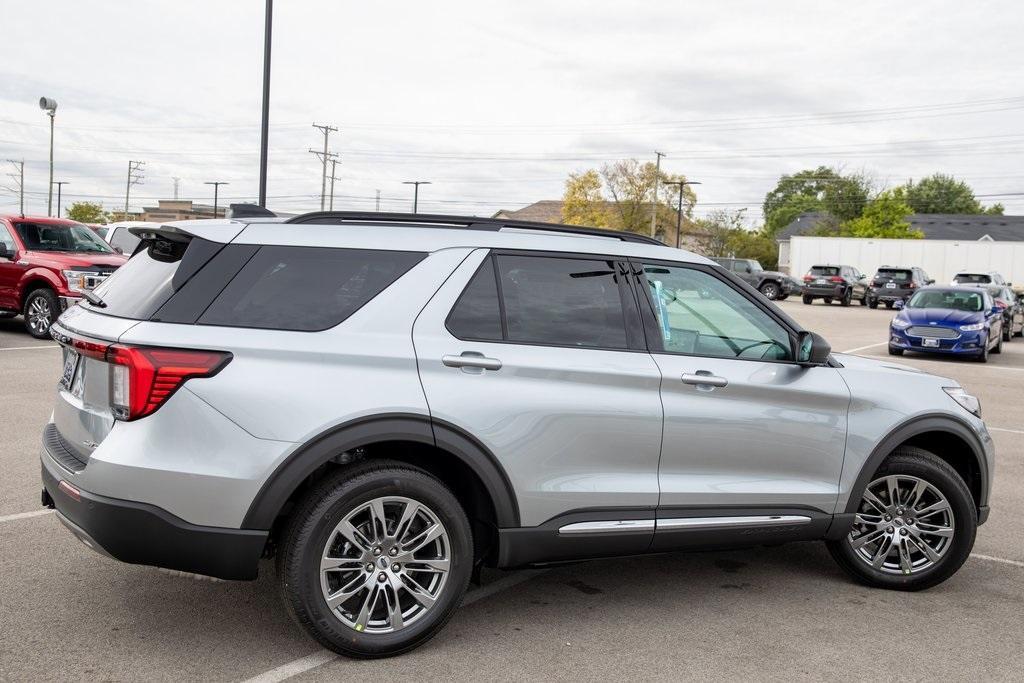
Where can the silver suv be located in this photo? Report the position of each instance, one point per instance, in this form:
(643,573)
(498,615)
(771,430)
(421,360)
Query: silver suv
(386,403)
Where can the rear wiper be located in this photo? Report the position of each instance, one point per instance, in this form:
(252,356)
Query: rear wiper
(89,296)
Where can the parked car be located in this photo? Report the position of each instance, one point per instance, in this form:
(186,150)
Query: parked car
(120,237)
(893,283)
(1012,306)
(833,282)
(949,320)
(967,277)
(46,264)
(774,285)
(388,402)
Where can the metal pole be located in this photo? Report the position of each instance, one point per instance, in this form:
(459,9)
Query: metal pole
(265,124)
(416,192)
(654,200)
(378,201)
(60,184)
(323,181)
(334,163)
(679,216)
(127,190)
(49,195)
(216,187)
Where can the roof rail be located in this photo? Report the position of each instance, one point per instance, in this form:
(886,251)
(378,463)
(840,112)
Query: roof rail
(468,222)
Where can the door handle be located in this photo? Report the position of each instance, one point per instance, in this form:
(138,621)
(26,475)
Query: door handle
(471,359)
(704,379)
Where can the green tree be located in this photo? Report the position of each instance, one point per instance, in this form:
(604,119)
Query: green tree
(87,212)
(820,189)
(630,185)
(940,193)
(885,216)
(583,203)
(723,233)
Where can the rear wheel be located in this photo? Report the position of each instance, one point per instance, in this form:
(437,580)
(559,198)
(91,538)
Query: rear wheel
(847,298)
(770,290)
(888,304)
(872,303)
(41,309)
(375,560)
(828,300)
(999,345)
(808,300)
(1007,332)
(915,524)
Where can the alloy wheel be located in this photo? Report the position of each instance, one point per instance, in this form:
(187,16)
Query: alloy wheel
(385,565)
(904,525)
(770,291)
(39,315)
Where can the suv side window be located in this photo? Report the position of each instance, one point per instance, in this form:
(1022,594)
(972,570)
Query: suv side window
(700,315)
(477,313)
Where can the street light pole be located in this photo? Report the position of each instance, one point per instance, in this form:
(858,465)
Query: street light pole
(265,124)
(216,186)
(416,192)
(654,199)
(59,184)
(50,107)
(679,211)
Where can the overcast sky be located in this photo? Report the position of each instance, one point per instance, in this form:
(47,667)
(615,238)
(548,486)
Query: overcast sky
(496,102)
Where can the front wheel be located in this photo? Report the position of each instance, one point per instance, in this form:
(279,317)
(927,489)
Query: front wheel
(41,310)
(893,351)
(770,291)
(872,303)
(914,526)
(376,559)
(828,300)
(999,344)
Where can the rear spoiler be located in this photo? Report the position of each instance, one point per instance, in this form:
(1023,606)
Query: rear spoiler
(167,232)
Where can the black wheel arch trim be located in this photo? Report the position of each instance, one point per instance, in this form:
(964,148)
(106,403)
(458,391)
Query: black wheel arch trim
(922,424)
(363,431)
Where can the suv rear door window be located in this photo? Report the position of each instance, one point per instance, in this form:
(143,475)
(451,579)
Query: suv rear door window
(306,288)
(123,241)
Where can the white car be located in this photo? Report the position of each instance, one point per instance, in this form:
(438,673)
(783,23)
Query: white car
(969,277)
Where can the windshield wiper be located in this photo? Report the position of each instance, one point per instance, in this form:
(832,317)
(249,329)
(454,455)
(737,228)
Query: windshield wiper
(89,296)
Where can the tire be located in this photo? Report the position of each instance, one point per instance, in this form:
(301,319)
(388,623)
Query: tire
(41,310)
(808,300)
(770,291)
(782,297)
(999,344)
(312,534)
(863,300)
(1008,333)
(873,303)
(942,487)
(893,351)
(828,300)
(982,356)
(888,304)
(847,298)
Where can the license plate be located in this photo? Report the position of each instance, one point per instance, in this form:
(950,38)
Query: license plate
(821,282)
(890,285)
(930,342)
(70,365)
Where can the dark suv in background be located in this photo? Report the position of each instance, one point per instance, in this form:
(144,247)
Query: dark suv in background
(773,284)
(894,283)
(842,283)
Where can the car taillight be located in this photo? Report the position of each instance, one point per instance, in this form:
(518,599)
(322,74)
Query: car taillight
(835,278)
(142,378)
(808,277)
(912,285)
(876,283)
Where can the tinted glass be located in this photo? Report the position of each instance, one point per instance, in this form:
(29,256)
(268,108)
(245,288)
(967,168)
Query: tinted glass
(895,274)
(825,270)
(124,240)
(701,315)
(72,237)
(6,239)
(972,278)
(141,286)
(305,288)
(955,299)
(477,314)
(562,301)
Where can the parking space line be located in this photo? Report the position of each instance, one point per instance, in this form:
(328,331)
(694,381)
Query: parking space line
(861,348)
(304,664)
(24,515)
(1004,429)
(29,348)
(1001,560)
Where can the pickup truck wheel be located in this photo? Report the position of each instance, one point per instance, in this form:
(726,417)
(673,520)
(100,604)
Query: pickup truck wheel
(375,559)
(915,524)
(770,290)
(41,309)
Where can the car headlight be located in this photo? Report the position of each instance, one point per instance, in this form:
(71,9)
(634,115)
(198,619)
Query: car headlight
(75,279)
(969,403)
(900,323)
(972,328)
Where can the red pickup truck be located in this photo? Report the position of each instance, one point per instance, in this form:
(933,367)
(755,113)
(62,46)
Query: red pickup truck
(46,264)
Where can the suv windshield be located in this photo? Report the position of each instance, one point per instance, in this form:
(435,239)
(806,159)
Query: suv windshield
(972,278)
(895,274)
(73,237)
(956,299)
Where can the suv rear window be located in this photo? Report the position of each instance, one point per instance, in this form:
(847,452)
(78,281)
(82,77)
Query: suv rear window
(825,270)
(142,285)
(896,274)
(972,278)
(305,288)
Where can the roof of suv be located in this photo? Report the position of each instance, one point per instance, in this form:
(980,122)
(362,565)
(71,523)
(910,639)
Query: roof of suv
(427,233)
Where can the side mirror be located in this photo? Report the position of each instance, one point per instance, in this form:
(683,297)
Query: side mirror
(5,253)
(929,282)
(812,349)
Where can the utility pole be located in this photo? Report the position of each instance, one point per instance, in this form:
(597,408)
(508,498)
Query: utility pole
(334,163)
(216,186)
(654,200)
(324,158)
(265,121)
(135,176)
(416,192)
(60,184)
(50,107)
(177,181)
(679,211)
(378,202)
(20,179)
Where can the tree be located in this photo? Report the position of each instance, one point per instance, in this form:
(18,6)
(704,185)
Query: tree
(885,216)
(820,189)
(87,212)
(582,203)
(630,184)
(723,233)
(939,193)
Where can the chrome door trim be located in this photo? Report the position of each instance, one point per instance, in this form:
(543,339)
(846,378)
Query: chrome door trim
(720,522)
(605,527)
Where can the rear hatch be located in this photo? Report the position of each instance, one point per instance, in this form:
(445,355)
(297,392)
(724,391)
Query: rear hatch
(102,381)
(893,278)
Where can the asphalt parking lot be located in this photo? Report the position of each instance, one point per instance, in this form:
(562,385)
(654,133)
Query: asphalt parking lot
(775,613)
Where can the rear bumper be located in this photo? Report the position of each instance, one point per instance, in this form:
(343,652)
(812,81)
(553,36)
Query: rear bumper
(830,291)
(885,294)
(138,533)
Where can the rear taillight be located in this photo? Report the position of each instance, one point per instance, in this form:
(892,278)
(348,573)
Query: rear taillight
(877,283)
(835,278)
(142,378)
(912,285)
(808,277)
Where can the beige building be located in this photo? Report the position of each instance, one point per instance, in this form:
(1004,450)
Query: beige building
(179,210)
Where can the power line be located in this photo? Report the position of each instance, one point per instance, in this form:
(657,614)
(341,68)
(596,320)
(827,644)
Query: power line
(135,176)
(326,130)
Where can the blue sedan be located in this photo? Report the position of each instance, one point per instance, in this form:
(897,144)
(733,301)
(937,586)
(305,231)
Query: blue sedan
(962,321)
